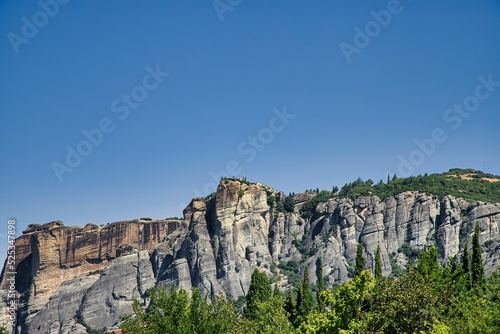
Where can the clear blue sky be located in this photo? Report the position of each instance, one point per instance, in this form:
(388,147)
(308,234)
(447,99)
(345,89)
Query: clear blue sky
(352,119)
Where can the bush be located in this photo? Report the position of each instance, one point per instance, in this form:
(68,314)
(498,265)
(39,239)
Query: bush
(308,208)
(488,243)
(280,207)
(408,251)
(271,201)
(289,204)
(291,271)
(396,270)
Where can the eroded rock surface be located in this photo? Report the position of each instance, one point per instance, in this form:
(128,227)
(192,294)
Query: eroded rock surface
(72,277)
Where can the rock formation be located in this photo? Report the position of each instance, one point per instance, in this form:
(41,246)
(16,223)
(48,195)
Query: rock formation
(71,279)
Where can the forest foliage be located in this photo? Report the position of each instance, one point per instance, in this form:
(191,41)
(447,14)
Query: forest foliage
(427,298)
(469,184)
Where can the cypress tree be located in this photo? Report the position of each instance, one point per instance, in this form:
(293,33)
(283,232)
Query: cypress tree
(477,267)
(290,307)
(321,286)
(378,264)
(298,305)
(466,264)
(452,262)
(360,261)
(307,296)
(259,291)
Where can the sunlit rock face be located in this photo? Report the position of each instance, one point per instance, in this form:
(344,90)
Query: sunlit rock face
(71,278)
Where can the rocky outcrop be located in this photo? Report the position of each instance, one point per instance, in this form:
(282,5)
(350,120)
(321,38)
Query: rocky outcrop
(401,225)
(49,255)
(408,218)
(59,314)
(74,278)
(111,295)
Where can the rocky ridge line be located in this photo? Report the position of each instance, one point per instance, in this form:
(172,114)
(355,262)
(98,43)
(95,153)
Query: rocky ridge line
(76,276)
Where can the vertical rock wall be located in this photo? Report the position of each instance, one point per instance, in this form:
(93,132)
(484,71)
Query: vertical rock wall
(72,277)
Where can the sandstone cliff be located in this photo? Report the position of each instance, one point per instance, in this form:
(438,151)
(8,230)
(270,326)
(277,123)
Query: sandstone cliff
(73,277)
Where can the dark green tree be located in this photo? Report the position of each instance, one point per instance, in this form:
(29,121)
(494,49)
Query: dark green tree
(259,291)
(321,286)
(378,264)
(452,264)
(307,303)
(477,267)
(289,204)
(298,305)
(360,261)
(290,307)
(466,264)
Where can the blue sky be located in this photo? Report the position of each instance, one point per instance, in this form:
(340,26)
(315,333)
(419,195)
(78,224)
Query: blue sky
(228,79)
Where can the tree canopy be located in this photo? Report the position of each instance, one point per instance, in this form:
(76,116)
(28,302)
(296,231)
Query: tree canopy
(427,298)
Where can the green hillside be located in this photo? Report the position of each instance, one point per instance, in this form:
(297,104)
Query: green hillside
(469,184)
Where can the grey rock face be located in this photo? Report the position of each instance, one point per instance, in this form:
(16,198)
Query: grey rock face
(222,239)
(111,295)
(342,223)
(227,238)
(58,315)
(97,299)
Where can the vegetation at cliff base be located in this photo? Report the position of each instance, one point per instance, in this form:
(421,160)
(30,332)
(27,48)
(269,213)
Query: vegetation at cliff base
(360,261)
(175,311)
(427,298)
(378,264)
(259,291)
